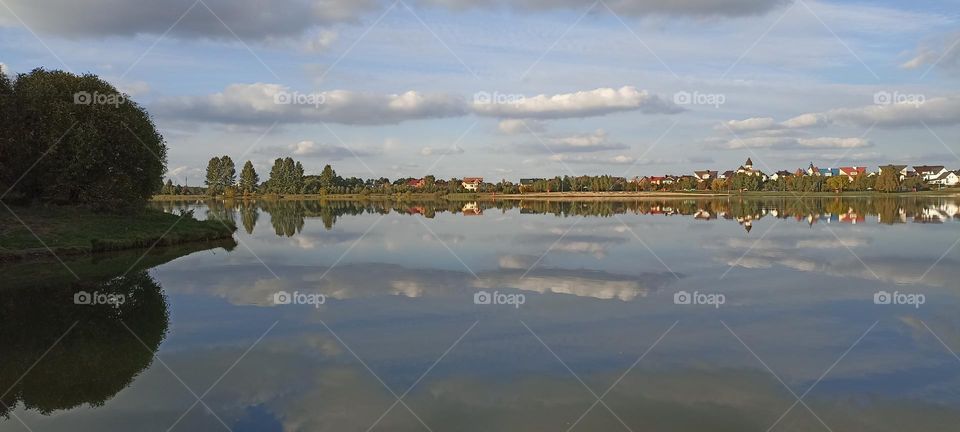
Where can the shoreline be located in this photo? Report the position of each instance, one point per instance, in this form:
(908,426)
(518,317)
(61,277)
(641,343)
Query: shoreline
(70,231)
(583,196)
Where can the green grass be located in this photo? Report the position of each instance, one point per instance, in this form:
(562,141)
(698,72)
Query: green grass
(70,230)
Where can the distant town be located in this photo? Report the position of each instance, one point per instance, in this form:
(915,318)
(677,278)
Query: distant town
(287,177)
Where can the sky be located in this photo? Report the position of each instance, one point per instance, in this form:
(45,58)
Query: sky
(513,89)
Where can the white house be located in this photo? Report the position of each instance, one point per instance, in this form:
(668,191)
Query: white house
(930,172)
(949,178)
(472,183)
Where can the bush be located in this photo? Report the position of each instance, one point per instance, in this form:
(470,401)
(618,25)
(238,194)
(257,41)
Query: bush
(91,144)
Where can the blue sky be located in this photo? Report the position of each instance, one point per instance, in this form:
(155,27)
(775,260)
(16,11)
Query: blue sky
(622,87)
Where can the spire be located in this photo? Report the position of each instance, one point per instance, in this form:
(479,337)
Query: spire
(749,163)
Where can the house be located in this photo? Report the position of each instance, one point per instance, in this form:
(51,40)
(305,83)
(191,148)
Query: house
(852,172)
(930,172)
(472,183)
(780,174)
(747,168)
(813,170)
(707,175)
(417,183)
(727,175)
(949,178)
(829,172)
(661,181)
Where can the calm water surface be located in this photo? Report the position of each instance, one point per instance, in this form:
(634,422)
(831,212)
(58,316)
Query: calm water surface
(683,315)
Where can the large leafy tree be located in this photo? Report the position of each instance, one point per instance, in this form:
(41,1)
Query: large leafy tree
(221,174)
(286,177)
(248,179)
(77,140)
(328,177)
(888,180)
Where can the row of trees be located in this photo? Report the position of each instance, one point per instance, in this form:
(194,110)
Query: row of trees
(70,139)
(287,177)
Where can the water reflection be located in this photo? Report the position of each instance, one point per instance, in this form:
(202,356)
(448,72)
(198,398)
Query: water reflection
(287,216)
(400,295)
(60,355)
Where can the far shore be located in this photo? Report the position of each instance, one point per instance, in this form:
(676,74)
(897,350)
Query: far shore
(572,196)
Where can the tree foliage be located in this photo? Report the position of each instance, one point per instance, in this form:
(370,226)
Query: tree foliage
(286,177)
(888,180)
(249,180)
(75,139)
(221,174)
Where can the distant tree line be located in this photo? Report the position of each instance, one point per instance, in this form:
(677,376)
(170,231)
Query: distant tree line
(287,176)
(69,139)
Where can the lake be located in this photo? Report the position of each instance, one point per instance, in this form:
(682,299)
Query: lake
(725,314)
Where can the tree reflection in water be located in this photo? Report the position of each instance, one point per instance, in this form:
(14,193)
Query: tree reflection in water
(58,355)
(287,216)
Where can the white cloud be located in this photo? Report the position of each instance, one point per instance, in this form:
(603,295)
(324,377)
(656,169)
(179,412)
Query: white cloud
(321,41)
(258,104)
(698,8)
(793,143)
(803,121)
(266,103)
(589,103)
(604,160)
(136,88)
(750,124)
(939,111)
(430,151)
(944,54)
(935,111)
(595,141)
(183,172)
(519,126)
(312,149)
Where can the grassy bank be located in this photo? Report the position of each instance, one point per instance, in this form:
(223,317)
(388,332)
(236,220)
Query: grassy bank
(71,231)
